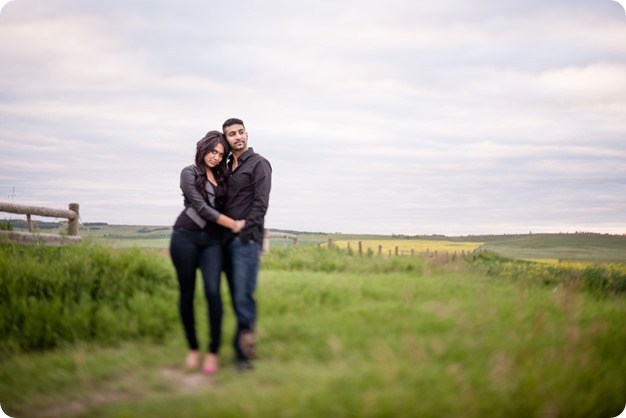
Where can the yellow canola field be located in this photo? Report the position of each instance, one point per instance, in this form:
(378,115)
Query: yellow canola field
(618,268)
(406,245)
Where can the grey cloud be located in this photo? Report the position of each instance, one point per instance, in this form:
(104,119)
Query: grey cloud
(438,117)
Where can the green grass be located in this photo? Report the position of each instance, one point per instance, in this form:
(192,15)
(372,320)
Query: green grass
(129,236)
(53,296)
(572,247)
(577,247)
(599,279)
(5,225)
(349,336)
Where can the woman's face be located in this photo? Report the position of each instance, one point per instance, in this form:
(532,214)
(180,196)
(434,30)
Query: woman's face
(213,158)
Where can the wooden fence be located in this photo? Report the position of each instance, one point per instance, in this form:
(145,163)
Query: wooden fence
(269,234)
(443,256)
(72,215)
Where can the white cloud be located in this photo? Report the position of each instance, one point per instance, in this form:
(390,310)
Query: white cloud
(404,117)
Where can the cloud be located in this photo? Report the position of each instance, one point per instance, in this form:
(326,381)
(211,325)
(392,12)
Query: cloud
(407,117)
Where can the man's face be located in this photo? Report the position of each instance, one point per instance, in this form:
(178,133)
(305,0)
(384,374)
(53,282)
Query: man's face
(237,137)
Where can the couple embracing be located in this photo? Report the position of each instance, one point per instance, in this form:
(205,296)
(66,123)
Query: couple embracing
(226,195)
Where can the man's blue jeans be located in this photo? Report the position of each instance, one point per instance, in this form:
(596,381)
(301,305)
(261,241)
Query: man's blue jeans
(242,271)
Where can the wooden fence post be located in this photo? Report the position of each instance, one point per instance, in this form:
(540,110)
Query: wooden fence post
(73,224)
(268,235)
(360,248)
(266,242)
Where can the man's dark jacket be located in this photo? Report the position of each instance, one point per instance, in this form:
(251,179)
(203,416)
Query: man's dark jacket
(248,194)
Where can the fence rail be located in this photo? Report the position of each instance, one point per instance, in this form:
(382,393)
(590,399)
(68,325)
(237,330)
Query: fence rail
(72,215)
(437,255)
(269,234)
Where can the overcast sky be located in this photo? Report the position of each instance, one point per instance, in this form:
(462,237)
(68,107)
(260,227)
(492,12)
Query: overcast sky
(406,116)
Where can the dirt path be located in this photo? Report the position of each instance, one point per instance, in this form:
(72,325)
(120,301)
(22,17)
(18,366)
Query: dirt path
(179,380)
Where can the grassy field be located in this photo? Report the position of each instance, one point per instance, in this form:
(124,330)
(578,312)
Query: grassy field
(126,236)
(340,336)
(565,247)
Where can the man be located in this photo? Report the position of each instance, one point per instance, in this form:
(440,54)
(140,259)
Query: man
(249,182)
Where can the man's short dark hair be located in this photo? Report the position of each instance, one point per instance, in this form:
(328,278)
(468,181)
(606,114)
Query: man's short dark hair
(232,121)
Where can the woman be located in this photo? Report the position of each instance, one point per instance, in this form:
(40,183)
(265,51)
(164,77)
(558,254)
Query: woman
(196,243)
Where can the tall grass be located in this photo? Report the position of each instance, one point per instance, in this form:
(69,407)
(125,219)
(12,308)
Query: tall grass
(6,225)
(349,336)
(52,296)
(599,279)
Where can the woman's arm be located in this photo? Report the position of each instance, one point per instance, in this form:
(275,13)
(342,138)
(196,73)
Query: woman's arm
(227,222)
(199,204)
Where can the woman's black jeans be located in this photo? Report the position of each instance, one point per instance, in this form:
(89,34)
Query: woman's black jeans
(191,250)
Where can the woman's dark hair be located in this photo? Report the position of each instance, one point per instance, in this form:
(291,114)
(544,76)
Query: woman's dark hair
(203,147)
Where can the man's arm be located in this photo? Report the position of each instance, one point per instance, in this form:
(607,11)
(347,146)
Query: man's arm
(262,185)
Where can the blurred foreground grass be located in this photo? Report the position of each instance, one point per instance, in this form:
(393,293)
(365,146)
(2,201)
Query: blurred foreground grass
(348,336)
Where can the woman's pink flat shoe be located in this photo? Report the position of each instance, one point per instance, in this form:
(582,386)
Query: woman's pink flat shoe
(209,370)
